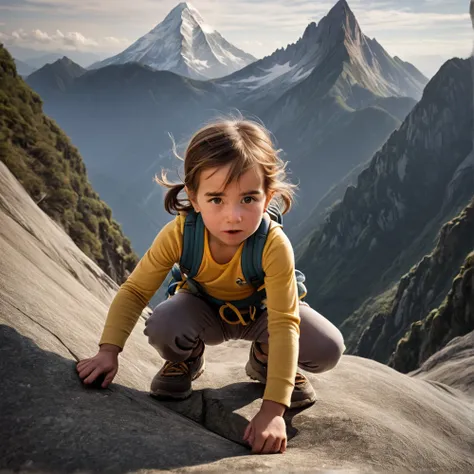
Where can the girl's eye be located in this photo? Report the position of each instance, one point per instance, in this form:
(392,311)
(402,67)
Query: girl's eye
(248,199)
(215,200)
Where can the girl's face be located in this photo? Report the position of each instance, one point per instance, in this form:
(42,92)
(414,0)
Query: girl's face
(233,214)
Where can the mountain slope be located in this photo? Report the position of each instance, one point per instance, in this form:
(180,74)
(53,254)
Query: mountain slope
(55,77)
(420,291)
(421,178)
(51,170)
(184,44)
(398,108)
(453,319)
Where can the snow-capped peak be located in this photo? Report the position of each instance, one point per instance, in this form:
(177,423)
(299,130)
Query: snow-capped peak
(185,12)
(185,44)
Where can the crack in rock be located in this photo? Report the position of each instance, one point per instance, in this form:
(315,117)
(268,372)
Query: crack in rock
(47,330)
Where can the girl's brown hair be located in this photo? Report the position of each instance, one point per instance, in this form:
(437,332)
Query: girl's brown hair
(238,142)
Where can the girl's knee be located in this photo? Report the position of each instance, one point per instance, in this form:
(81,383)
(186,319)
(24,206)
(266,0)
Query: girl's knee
(325,355)
(159,327)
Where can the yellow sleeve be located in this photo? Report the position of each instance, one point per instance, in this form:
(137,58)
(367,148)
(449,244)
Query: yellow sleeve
(283,316)
(135,293)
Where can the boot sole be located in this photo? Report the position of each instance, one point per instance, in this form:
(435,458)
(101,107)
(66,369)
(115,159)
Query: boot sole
(170,395)
(255,375)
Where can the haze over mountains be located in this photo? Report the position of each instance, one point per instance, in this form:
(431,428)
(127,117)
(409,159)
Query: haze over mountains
(123,114)
(36,59)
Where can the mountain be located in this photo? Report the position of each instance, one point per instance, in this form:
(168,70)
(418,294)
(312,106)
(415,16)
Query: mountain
(22,68)
(334,51)
(55,77)
(183,43)
(412,330)
(51,170)
(421,178)
(120,116)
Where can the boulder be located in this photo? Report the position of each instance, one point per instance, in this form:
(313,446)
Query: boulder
(53,304)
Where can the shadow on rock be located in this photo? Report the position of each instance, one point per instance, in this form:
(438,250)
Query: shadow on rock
(227,410)
(51,422)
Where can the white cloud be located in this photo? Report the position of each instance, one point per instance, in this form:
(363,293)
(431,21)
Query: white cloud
(112,40)
(72,38)
(58,39)
(407,20)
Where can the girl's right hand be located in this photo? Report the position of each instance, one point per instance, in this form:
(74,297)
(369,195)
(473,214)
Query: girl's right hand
(104,362)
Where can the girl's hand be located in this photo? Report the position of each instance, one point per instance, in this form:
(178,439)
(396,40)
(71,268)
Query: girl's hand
(104,362)
(266,433)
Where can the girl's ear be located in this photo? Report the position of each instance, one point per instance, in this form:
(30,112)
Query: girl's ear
(269,198)
(191,198)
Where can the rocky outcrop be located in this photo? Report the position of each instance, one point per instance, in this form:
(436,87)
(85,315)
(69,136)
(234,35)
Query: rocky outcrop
(420,291)
(447,367)
(53,303)
(454,318)
(421,178)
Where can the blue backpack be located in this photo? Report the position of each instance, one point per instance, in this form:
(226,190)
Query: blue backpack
(251,262)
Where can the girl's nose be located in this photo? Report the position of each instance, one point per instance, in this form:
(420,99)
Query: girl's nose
(234,214)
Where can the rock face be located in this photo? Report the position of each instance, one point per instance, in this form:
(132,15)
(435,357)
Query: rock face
(418,296)
(53,303)
(454,318)
(421,178)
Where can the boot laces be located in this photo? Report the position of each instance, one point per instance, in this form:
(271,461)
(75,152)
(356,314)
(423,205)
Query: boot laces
(173,369)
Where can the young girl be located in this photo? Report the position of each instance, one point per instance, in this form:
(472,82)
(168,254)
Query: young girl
(232,173)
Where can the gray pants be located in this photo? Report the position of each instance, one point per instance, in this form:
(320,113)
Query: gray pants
(178,324)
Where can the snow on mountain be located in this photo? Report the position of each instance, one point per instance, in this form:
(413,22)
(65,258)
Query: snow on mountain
(338,34)
(183,43)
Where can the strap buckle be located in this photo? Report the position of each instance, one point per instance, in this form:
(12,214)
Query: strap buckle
(240,318)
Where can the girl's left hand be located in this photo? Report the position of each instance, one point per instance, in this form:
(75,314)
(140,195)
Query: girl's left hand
(266,433)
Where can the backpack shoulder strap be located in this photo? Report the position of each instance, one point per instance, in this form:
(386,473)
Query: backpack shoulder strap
(193,244)
(252,254)
(274,212)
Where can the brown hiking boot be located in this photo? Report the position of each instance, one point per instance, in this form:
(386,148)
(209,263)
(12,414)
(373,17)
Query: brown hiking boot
(174,378)
(303,394)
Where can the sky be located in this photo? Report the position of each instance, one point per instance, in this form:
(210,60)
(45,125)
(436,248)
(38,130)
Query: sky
(423,32)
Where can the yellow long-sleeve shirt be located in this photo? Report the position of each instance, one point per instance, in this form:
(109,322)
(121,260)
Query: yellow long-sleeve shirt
(219,280)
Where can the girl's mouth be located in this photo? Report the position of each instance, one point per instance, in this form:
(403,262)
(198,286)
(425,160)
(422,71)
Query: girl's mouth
(232,232)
